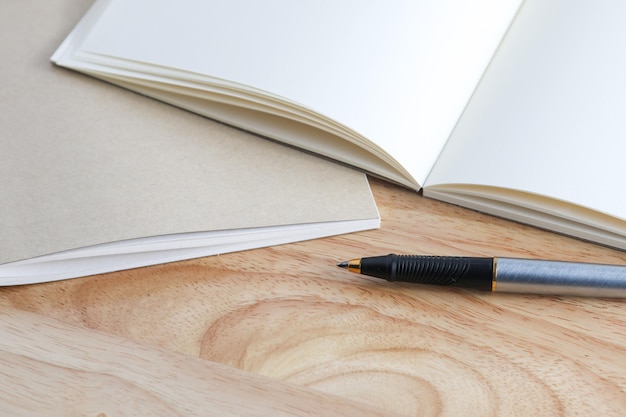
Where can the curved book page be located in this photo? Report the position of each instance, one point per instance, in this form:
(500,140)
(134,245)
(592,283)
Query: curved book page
(389,77)
(541,211)
(547,121)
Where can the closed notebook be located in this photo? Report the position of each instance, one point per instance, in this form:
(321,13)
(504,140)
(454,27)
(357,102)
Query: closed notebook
(97,179)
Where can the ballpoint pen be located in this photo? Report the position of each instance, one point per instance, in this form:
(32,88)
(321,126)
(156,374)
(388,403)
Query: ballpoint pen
(498,274)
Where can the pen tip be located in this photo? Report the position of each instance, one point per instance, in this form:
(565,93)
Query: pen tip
(343,264)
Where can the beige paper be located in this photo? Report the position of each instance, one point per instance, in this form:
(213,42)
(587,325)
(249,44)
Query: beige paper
(83,162)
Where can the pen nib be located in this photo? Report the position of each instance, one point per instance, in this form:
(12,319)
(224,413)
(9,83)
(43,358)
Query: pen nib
(343,264)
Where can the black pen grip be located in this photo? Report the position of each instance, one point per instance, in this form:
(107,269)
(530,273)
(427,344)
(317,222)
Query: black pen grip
(468,272)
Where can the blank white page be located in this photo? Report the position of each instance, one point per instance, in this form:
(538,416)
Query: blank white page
(549,116)
(398,73)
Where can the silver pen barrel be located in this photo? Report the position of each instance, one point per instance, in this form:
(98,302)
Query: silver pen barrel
(559,278)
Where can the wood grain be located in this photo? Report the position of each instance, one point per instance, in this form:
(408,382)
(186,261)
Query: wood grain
(289,314)
(48,367)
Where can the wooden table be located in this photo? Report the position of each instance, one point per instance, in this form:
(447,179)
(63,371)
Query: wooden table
(316,340)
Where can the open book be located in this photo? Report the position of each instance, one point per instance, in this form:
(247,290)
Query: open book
(95,178)
(508,106)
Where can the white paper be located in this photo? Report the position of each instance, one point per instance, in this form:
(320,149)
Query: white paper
(548,117)
(396,73)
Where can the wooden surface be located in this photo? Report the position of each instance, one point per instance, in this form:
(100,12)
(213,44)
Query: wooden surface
(55,369)
(289,314)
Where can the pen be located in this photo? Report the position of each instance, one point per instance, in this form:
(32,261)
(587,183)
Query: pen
(497,274)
